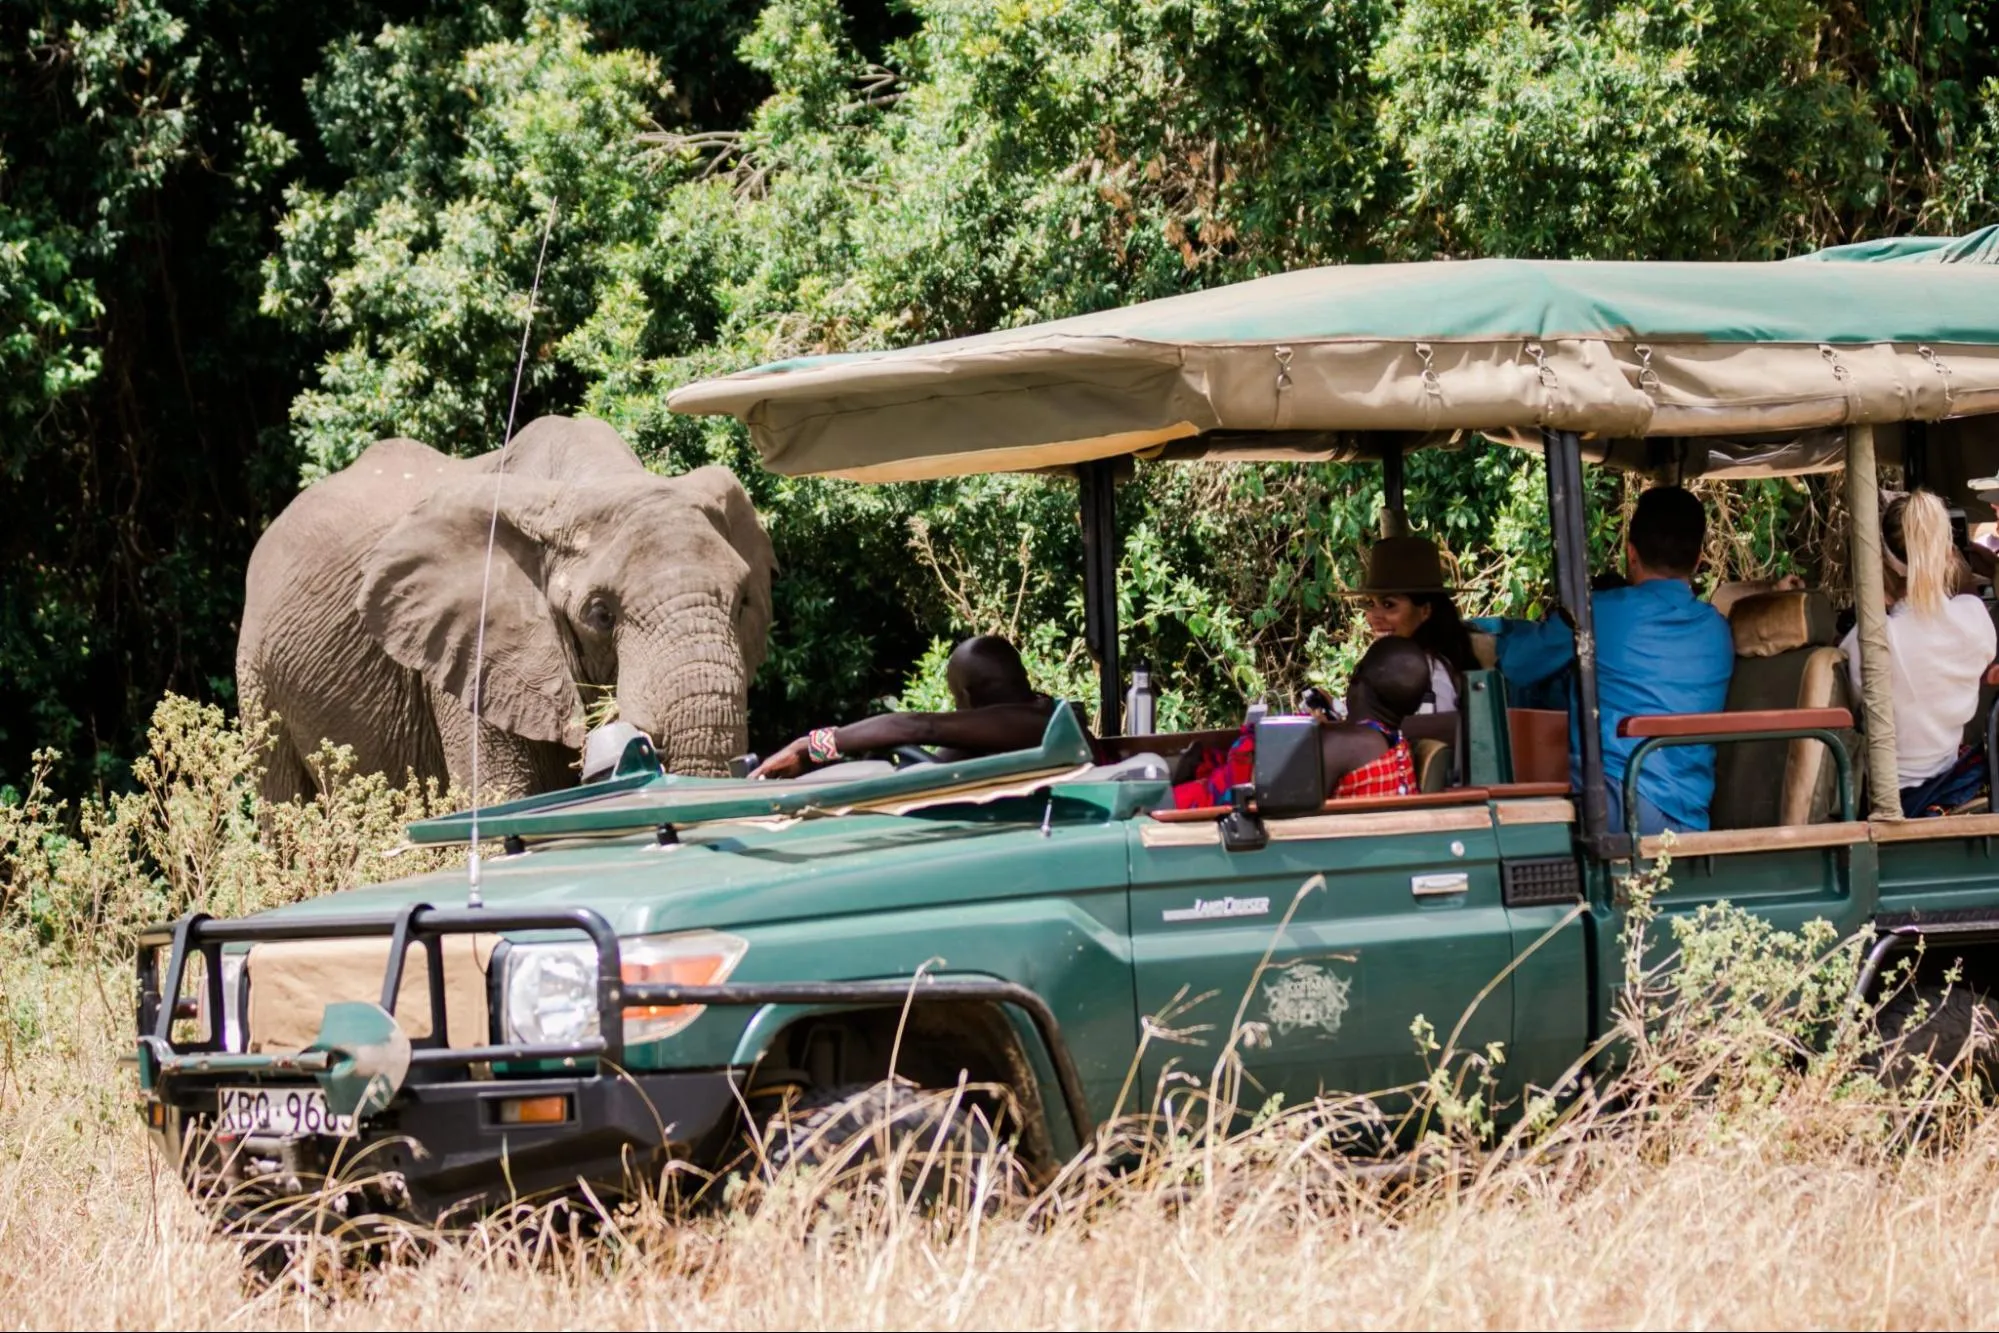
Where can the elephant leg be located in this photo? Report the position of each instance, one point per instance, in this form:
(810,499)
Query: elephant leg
(285,776)
(509,766)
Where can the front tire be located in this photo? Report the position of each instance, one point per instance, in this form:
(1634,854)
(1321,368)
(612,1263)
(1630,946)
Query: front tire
(892,1138)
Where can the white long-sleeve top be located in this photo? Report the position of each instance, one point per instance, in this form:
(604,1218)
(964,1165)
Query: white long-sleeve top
(1937,661)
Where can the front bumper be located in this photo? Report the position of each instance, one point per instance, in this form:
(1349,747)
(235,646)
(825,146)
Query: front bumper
(440,1148)
(437,1145)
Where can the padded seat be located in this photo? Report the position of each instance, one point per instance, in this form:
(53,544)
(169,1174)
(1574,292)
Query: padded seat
(1433,765)
(1443,729)
(1786,656)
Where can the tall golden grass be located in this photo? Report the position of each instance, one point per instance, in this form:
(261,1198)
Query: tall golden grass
(1742,1171)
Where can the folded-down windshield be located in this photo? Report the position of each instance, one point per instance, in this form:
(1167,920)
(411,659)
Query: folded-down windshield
(652,800)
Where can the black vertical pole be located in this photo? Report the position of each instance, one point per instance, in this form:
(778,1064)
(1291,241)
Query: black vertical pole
(1566,516)
(1394,517)
(1915,455)
(1100,552)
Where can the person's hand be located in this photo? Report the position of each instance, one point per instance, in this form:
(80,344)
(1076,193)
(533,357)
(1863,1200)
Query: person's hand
(1789,583)
(786,763)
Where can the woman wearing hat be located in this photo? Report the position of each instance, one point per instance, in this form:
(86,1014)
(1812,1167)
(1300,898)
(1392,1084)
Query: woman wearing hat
(1404,594)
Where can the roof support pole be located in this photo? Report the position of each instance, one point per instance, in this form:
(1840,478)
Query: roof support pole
(1394,514)
(1564,452)
(1915,455)
(1863,509)
(1098,484)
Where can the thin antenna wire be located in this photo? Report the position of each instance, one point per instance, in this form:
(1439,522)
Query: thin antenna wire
(473,895)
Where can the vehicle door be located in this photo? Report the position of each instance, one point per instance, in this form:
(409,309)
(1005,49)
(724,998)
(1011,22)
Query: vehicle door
(1407,922)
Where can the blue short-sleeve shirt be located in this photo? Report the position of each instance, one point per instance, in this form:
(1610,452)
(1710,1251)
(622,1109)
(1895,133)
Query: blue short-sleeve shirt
(1659,649)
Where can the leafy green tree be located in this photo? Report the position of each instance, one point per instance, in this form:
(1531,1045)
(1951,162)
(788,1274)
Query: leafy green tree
(146,147)
(238,241)
(143,407)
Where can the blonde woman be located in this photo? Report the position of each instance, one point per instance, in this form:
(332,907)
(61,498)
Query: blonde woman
(1940,641)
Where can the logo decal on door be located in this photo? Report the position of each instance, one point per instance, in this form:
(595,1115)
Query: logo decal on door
(1307,997)
(1210,909)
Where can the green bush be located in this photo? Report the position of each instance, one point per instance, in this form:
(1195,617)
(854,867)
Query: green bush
(207,214)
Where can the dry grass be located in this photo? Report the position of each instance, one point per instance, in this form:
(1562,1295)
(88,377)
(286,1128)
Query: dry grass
(1745,1177)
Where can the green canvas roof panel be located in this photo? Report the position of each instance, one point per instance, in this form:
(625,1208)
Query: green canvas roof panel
(1620,350)
(1980,247)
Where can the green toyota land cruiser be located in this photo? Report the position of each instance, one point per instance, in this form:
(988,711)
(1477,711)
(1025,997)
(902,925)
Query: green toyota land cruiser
(649,959)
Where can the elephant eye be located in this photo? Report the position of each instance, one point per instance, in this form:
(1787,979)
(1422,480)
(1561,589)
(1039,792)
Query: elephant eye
(598,616)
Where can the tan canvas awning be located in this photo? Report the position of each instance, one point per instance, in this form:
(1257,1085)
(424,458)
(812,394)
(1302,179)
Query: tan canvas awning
(1613,351)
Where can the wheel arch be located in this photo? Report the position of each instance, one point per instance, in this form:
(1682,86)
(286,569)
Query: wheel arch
(984,1041)
(1967,946)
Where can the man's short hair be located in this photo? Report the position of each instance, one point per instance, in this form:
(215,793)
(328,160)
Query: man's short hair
(991,670)
(1668,530)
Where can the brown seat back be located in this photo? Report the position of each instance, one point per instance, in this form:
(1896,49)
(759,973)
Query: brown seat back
(1784,658)
(1539,738)
(1433,764)
(1446,729)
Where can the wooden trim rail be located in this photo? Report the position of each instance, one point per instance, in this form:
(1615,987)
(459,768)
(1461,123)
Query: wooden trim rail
(1506,791)
(1647,725)
(1352,805)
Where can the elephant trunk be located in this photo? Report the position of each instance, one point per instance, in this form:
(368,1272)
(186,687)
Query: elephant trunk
(694,705)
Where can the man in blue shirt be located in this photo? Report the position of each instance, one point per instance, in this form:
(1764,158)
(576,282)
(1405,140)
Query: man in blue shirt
(1658,650)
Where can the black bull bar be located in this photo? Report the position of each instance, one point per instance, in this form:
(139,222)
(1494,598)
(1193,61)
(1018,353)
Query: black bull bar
(425,926)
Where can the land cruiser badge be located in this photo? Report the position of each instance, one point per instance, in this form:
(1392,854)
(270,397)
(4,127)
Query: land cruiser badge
(1211,909)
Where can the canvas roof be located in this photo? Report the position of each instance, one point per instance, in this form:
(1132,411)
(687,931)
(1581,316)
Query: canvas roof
(1764,361)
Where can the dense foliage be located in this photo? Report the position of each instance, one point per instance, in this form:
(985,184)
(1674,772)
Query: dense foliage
(240,240)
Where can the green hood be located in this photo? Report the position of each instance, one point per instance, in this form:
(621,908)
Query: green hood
(734,875)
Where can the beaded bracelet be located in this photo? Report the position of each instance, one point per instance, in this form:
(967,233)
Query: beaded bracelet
(821,746)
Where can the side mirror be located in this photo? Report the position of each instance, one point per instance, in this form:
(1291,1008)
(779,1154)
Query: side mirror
(616,750)
(1290,774)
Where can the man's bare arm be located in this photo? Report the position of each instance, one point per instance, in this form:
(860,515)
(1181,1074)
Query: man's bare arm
(990,730)
(993,729)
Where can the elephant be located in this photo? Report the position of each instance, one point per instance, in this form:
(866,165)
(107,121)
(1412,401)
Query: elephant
(361,615)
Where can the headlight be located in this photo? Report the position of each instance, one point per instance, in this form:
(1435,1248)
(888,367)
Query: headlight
(551,989)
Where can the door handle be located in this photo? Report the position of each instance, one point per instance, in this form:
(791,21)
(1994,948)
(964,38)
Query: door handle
(1439,886)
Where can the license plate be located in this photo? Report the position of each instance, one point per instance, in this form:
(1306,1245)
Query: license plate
(286,1112)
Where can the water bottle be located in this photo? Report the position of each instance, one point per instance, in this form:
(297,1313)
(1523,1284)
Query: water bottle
(1140,702)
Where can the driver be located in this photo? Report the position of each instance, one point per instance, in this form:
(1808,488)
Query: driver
(997,711)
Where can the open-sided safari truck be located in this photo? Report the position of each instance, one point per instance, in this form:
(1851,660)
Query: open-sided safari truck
(657,962)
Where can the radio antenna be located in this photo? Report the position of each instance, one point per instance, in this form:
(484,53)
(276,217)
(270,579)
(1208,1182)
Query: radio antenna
(474,897)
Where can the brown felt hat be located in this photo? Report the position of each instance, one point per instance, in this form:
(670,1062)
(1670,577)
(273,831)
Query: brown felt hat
(1403,565)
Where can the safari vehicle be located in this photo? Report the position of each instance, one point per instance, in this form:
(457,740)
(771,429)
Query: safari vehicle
(654,960)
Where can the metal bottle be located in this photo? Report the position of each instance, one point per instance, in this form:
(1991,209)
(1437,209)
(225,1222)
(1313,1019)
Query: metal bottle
(1140,702)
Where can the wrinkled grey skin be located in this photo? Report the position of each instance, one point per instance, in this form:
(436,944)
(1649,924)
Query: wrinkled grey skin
(361,615)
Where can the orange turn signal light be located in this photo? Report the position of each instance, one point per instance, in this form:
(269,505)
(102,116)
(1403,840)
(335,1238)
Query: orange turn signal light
(550,1110)
(695,970)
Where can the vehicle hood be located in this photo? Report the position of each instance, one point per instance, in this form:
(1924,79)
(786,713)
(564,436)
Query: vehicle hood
(744,874)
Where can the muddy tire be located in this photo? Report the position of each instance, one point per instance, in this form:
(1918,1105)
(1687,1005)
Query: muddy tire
(1929,1028)
(918,1145)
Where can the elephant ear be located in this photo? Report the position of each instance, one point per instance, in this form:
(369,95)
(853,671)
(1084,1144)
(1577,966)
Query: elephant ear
(718,494)
(419,600)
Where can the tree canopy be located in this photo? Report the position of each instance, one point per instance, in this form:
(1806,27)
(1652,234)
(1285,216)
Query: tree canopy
(239,241)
